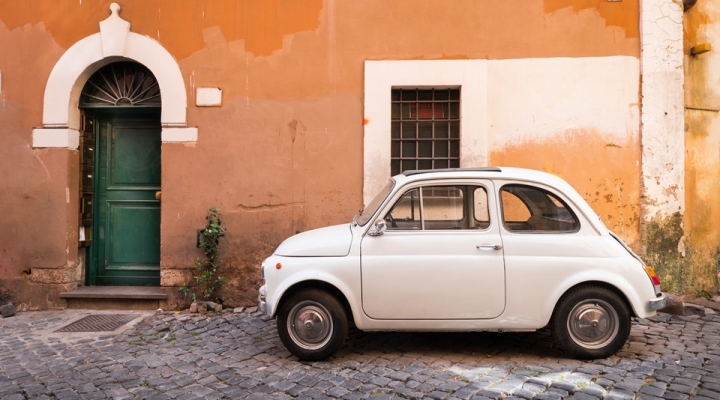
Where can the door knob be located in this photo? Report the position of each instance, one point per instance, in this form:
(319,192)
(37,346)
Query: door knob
(158,194)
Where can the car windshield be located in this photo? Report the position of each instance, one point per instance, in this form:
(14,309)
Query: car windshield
(363,216)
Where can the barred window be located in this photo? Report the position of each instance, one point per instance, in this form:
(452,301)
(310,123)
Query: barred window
(425,129)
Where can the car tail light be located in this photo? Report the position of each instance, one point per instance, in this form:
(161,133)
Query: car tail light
(653,277)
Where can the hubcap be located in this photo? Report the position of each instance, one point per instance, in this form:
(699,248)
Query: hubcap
(593,323)
(310,325)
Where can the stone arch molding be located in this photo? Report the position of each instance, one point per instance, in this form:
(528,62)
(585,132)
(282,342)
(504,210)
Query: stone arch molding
(114,42)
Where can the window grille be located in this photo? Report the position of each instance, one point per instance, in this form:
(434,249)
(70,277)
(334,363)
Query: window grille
(121,84)
(425,129)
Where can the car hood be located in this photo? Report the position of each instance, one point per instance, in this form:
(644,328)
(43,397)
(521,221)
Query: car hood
(332,241)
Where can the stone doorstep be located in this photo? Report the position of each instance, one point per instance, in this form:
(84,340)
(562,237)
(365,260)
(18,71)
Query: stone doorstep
(115,297)
(116,293)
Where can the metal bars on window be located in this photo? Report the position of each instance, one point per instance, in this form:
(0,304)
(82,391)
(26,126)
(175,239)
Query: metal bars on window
(425,129)
(121,84)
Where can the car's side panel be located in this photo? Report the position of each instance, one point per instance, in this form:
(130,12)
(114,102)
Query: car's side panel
(433,275)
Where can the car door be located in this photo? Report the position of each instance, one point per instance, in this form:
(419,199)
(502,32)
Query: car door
(441,256)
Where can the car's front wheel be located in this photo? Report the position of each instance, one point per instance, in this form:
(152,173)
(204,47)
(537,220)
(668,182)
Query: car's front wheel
(591,322)
(312,324)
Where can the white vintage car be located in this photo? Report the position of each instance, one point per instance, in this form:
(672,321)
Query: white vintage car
(485,249)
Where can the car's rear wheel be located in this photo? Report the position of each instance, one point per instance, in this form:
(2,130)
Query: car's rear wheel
(591,322)
(312,324)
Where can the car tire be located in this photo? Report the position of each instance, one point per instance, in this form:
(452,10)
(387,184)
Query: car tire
(312,324)
(591,322)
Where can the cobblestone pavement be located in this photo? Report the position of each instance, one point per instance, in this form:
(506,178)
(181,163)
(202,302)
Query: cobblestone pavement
(239,355)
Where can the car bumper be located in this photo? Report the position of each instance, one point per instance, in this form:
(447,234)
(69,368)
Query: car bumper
(262,304)
(657,303)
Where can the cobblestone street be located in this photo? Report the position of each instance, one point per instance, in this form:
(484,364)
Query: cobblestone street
(239,355)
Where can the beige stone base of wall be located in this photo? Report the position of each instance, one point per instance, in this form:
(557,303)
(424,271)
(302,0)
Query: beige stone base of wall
(31,296)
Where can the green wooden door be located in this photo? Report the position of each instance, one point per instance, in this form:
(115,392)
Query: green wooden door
(126,236)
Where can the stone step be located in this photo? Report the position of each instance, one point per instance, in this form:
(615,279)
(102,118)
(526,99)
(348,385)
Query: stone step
(115,297)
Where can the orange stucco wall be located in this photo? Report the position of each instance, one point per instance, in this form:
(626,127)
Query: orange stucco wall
(284,153)
(702,143)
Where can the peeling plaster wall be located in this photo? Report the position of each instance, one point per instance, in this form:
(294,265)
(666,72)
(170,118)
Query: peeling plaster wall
(554,115)
(285,151)
(661,61)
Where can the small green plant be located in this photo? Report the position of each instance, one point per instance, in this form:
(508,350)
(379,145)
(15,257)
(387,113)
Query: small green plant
(206,281)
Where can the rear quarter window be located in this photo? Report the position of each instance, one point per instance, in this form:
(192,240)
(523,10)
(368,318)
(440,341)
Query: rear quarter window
(532,209)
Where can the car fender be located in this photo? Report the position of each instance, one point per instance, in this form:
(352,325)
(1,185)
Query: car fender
(603,277)
(342,283)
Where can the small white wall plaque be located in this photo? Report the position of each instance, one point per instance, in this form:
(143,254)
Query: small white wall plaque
(208,97)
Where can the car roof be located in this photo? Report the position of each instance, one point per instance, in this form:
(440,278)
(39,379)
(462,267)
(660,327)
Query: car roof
(520,175)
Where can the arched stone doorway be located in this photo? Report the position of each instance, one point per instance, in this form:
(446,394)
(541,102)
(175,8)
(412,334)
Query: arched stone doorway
(120,159)
(114,42)
(65,118)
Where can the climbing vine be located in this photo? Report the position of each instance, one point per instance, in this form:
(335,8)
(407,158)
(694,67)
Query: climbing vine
(206,282)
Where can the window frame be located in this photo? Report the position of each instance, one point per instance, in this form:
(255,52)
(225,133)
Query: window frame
(382,75)
(468,208)
(453,135)
(558,196)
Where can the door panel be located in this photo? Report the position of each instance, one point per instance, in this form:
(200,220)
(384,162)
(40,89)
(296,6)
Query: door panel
(134,158)
(448,273)
(126,247)
(135,234)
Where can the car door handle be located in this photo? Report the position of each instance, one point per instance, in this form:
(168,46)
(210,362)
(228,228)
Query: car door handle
(489,246)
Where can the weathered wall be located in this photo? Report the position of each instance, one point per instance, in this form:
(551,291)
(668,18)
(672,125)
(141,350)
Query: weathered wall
(558,118)
(285,151)
(702,150)
(38,240)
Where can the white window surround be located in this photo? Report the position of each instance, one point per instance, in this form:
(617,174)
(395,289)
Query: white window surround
(382,76)
(114,42)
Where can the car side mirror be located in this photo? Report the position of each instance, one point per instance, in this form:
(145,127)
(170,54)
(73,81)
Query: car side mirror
(379,228)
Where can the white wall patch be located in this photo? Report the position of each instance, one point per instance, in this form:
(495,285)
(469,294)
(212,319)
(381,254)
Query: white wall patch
(208,97)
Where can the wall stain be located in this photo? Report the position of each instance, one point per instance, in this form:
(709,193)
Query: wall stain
(618,14)
(702,149)
(682,267)
(178,25)
(609,180)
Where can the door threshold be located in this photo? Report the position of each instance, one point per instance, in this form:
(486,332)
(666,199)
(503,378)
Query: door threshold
(116,293)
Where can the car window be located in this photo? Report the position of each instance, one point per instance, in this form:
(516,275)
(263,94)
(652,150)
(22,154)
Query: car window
(440,208)
(405,214)
(514,209)
(481,209)
(531,209)
(443,207)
